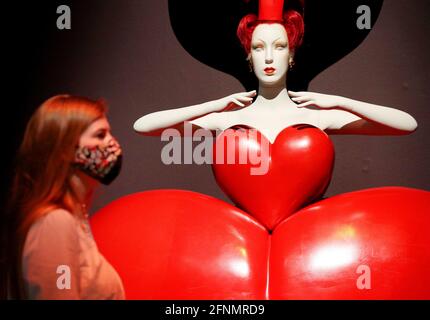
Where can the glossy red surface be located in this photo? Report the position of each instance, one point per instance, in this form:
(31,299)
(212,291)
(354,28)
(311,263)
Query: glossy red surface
(382,234)
(299,166)
(172,244)
(176,244)
(270,10)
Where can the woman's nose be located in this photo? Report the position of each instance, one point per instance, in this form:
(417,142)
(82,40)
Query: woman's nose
(109,138)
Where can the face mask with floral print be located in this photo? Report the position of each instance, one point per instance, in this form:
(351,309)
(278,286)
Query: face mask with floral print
(101,163)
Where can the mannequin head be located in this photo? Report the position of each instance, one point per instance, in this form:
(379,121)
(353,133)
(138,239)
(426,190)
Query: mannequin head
(271,44)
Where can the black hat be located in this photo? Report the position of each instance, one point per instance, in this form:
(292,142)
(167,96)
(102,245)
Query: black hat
(207,30)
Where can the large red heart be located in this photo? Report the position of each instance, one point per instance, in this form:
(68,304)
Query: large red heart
(176,244)
(366,244)
(299,166)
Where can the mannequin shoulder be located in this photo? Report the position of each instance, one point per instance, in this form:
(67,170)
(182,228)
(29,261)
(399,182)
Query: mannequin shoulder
(335,119)
(261,118)
(216,120)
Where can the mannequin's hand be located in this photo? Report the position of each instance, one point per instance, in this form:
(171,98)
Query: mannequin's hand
(319,100)
(242,99)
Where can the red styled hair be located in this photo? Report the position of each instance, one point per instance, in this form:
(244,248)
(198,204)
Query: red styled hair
(292,22)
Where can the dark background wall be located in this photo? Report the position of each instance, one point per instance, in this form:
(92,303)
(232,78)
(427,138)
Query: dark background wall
(126,52)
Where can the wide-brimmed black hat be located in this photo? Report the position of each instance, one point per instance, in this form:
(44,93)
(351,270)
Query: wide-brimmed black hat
(207,30)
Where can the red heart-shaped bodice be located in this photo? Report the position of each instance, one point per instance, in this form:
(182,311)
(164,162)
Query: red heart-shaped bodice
(272,181)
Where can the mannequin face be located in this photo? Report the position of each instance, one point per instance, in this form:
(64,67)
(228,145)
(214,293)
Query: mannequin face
(270,53)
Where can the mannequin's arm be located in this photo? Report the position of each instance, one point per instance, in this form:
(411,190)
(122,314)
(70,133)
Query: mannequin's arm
(347,116)
(155,123)
(369,119)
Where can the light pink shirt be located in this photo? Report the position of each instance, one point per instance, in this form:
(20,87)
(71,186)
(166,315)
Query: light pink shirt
(60,251)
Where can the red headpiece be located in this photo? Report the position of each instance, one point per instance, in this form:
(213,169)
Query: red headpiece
(270,10)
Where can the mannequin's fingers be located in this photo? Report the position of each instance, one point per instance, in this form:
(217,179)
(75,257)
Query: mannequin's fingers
(248,103)
(240,104)
(296,94)
(301,99)
(245,99)
(306,104)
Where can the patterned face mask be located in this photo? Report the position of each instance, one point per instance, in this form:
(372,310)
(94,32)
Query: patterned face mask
(100,163)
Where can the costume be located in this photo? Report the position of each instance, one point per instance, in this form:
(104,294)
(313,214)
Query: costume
(280,241)
(177,244)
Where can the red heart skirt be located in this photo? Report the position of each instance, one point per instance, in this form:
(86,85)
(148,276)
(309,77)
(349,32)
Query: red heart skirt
(176,244)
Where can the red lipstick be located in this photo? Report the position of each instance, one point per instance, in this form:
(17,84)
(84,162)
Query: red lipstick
(269,70)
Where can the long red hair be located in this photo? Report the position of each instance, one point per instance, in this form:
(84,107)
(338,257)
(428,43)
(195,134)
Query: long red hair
(42,180)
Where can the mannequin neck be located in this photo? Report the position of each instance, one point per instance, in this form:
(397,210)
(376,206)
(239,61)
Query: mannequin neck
(273,96)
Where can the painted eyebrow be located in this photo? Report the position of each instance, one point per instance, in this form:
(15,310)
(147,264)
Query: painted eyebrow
(265,41)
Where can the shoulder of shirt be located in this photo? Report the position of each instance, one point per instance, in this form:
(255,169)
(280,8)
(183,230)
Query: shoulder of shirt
(54,221)
(57,228)
(58,216)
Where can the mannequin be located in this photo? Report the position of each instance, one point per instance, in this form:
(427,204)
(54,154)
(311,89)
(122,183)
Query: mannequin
(271,54)
(280,240)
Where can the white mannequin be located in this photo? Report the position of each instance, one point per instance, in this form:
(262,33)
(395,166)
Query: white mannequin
(273,110)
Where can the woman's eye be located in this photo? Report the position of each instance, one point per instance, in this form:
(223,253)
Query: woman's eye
(280,46)
(101,135)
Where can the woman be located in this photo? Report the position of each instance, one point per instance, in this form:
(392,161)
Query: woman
(270,42)
(66,152)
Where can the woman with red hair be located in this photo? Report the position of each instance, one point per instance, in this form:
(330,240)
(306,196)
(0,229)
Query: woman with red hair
(67,150)
(270,42)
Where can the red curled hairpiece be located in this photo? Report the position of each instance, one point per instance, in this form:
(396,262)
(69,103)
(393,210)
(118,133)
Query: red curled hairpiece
(271,11)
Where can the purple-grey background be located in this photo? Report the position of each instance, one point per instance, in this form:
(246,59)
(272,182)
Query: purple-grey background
(126,52)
